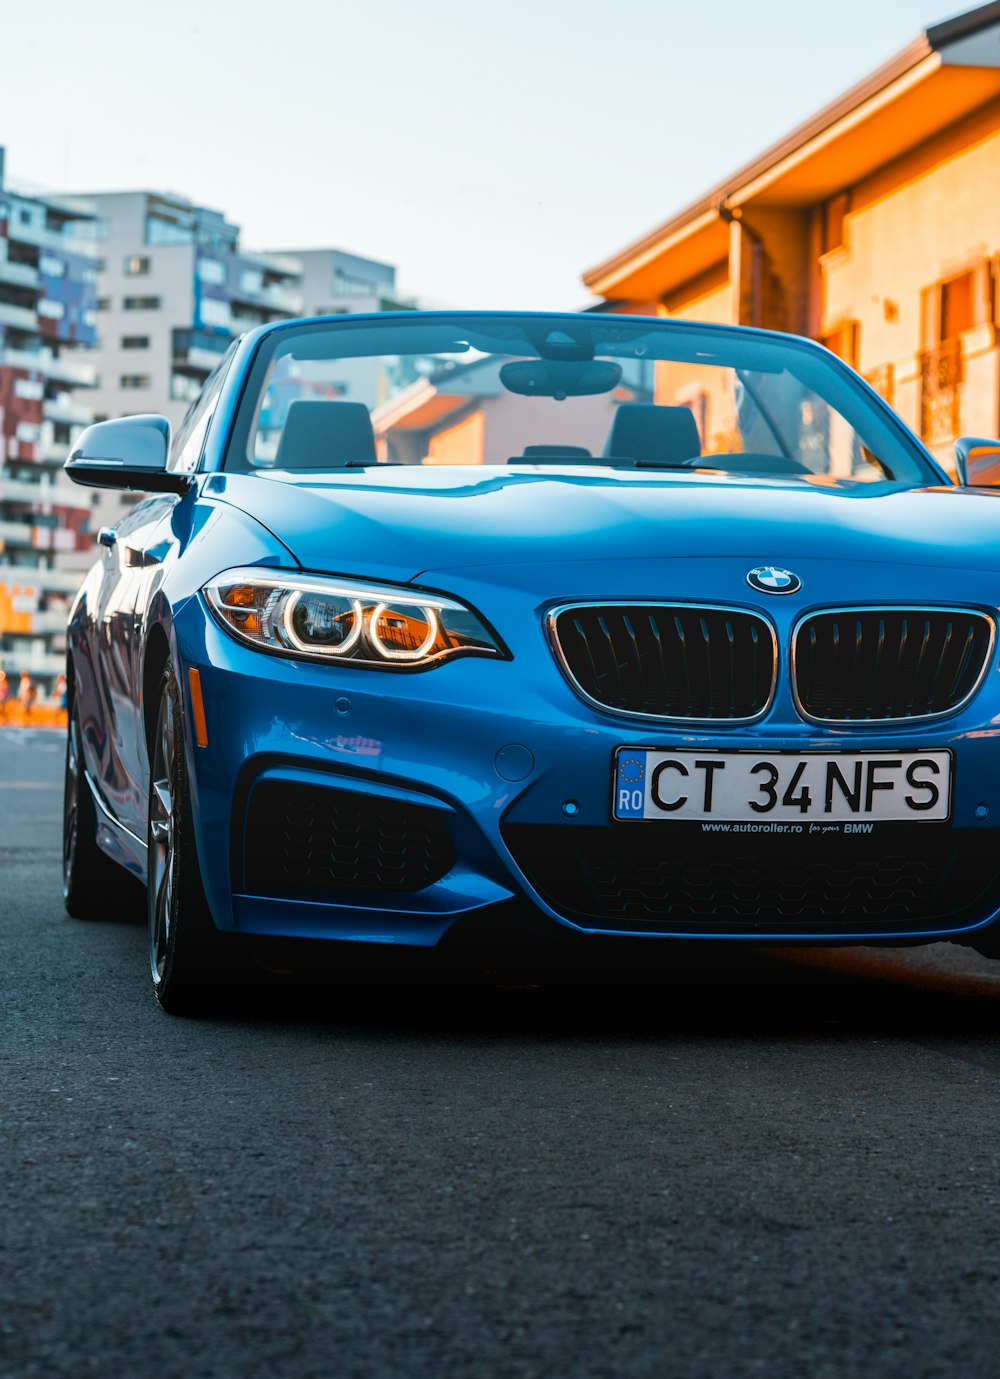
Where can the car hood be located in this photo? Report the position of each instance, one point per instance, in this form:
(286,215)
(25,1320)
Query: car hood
(391,524)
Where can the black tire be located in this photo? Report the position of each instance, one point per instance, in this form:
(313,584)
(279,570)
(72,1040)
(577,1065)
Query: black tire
(94,887)
(191,963)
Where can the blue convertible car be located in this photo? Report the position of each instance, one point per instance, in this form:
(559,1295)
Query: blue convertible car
(593,623)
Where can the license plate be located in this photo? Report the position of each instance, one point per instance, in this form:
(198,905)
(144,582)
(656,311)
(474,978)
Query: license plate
(782,787)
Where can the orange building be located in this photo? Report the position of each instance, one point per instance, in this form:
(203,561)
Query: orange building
(874,227)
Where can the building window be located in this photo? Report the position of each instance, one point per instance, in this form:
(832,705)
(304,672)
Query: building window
(216,313)
(949,309)
(344,285)
(251,281)
(160,231)
(843,342)
(957,304)
(834,222)
(29,389)
(883,380)
(104,303)
(183,388)
(958,309)
(54,311)
(212,271)
(134,380)
(141,303)
(135,342)
(51,267)
(136,264)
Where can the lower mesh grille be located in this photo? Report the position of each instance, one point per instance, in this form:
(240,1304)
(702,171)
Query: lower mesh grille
(304,839)
(674,878)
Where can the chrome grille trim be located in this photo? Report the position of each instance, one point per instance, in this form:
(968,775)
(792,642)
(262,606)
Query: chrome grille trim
(733,610)
(914,611)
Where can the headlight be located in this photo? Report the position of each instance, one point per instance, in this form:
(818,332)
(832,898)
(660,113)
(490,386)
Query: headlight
(324,619)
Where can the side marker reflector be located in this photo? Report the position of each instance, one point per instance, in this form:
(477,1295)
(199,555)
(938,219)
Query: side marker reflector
(198,708)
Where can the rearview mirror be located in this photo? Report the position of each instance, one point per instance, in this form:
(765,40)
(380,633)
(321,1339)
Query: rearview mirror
(977,461)
(560,378)
(129,453)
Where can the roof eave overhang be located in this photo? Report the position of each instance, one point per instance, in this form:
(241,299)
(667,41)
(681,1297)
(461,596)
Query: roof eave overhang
(946,74)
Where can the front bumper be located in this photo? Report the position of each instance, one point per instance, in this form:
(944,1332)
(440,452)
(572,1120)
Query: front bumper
(519,772)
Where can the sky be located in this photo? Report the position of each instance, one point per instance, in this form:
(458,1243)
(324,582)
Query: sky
(493,152)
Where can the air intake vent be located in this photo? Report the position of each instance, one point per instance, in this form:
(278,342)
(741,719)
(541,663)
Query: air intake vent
(310,840)
(889,665)
(659,660)
(914,878)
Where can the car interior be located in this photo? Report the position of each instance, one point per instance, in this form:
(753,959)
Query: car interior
(327,434)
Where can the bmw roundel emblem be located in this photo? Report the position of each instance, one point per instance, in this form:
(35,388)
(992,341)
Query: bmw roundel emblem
(768,579)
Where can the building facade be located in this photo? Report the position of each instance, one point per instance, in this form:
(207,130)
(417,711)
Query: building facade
(174,288)
(874,228)
(48,299)
(335,283)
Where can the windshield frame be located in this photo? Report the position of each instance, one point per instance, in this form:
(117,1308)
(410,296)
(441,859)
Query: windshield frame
(260,347)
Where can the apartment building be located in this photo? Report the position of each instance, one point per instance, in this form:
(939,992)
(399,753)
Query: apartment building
(174,287)
(335,283)
(874,228)
(48,298)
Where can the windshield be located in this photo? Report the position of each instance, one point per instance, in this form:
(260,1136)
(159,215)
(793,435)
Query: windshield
(592,390)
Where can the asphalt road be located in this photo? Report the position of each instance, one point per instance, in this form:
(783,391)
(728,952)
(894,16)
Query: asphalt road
(775,1163)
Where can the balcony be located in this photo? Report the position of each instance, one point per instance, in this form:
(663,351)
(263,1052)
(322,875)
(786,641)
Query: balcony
(49,581)
(41,664)
(270,297)
(43,361)
(43,494)
(242,322)
(49,623)
(281,299)
(65,369)
(942,373)
(198,350)
(17,534)
(284,264)
(18,274)
(883,380)
(71,413)
(30,361)
(52,452)
(18,317)
(46,238)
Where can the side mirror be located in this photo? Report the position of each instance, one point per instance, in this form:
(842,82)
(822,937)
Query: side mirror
(977,462)
(130,453)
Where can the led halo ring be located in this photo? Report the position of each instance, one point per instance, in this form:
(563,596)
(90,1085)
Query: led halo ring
(264,621)
(432,625)
(300,645)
